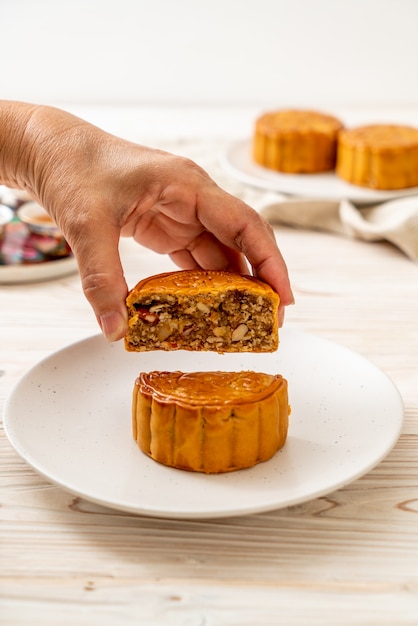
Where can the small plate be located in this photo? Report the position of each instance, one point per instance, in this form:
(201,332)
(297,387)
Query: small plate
(36,272)
(70,418)
(27,257)
(238,162)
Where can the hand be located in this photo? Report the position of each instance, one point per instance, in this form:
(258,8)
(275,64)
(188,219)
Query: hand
(98,187)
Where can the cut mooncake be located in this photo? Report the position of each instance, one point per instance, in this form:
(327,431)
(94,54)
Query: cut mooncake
(202,310)
(296,141)
(379,156)
(210,422)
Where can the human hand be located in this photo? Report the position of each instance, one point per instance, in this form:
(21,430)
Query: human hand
(98,187)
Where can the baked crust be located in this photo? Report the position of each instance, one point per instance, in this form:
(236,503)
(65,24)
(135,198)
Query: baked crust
(202,310)
(379,156)
(210,422)
(296,141)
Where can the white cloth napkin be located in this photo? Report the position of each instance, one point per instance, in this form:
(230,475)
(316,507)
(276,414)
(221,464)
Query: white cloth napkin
(395,221)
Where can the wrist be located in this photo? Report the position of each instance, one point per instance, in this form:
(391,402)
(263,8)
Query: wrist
(36,145)
(14,162)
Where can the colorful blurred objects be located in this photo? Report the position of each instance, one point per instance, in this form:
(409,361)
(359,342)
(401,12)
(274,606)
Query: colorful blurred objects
(21,246)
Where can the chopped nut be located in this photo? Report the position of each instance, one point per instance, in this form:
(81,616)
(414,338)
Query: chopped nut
(239,333)
(164,331)
(156,308)
(203,307)
(144,314)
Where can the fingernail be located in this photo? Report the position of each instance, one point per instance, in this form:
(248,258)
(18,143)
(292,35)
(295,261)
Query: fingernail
(291,300)
(113,326)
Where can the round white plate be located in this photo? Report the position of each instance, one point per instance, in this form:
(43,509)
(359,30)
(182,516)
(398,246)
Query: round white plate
(35,272)
(70,419)
(238,162)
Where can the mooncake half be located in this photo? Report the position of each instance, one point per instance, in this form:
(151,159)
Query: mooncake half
(210,422)
(202,310)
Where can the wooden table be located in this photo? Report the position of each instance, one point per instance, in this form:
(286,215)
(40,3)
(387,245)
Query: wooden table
(348,558)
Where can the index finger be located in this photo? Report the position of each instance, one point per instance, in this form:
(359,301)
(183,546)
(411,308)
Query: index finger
(241,228)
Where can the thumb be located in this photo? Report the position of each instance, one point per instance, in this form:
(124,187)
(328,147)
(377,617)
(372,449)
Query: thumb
(102,278)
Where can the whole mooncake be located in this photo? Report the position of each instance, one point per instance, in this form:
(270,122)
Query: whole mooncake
(210,422)
(202,310)
(296,141)
(379,156)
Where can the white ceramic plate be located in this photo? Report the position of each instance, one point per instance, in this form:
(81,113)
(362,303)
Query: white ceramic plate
(70,419)
(35,272)
(238,162)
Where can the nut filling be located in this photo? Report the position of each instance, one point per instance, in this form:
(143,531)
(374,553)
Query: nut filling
(231,321)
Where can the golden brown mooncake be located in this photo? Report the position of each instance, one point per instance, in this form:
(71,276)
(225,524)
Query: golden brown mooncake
(210,422)
(202,310)
(296,141)
(379,156)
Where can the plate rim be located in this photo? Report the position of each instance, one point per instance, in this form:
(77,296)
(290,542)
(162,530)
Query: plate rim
(21,273)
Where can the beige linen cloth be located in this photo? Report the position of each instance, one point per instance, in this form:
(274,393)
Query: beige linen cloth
(395,220)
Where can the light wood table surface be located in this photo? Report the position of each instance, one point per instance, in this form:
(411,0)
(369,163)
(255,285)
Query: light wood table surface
(348,558)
